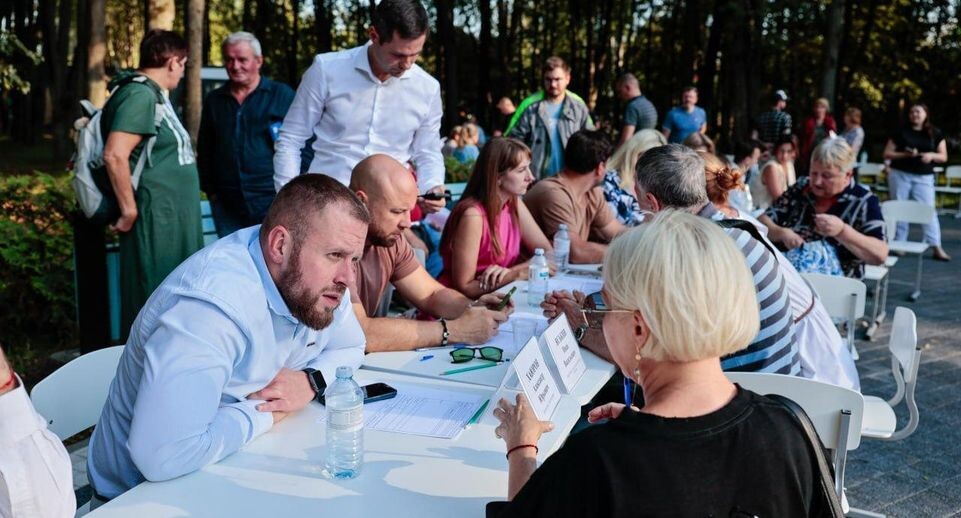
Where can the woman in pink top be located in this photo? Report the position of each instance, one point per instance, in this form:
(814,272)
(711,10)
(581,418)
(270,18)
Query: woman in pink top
(481,244)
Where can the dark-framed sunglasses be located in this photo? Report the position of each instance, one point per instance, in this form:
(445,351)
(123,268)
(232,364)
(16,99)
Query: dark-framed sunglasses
(466,354)
(595,317)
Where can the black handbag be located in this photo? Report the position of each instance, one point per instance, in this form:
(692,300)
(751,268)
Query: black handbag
(825,472)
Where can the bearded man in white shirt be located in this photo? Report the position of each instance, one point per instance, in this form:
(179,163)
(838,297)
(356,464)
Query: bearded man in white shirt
(367,100)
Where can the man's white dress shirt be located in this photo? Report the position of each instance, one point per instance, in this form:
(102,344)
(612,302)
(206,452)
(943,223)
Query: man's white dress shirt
(216,330)
(36,478)
(354,115)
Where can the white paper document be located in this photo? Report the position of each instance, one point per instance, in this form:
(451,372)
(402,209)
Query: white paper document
(417,410)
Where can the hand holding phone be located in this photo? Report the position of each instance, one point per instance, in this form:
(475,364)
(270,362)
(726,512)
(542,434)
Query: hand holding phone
(506,300)
(434,195)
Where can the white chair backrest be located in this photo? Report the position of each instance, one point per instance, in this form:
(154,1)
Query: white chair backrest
(843,297)
(908,211)
(953,172)
(72,398)
(870,169)
(822,402)
(904,342)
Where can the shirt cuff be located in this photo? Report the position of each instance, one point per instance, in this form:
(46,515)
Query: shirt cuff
(19,418)
(260,422)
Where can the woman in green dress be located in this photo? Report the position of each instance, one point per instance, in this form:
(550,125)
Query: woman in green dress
(159,221)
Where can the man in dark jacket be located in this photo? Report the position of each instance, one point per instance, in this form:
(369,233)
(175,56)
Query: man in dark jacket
(239,125)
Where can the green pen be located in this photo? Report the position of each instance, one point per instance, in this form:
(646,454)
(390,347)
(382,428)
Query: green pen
(466,369)
(477,415)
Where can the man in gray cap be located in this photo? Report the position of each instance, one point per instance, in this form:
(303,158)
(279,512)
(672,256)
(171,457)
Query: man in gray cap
(774,123)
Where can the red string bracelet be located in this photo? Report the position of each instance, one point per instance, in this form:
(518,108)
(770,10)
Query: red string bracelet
(9,384)
(536,450)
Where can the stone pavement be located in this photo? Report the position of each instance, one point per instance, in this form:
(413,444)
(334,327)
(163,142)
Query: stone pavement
(921,475)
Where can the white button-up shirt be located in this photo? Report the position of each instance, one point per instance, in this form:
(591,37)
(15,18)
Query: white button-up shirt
(216,330)
(36,478)
(354,115)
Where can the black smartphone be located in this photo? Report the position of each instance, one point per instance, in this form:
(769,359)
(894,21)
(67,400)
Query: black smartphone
(506,300)
(436,195)
(372,392)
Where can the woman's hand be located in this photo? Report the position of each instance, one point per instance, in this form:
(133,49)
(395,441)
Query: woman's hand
(828,225)
(494,277)
(608,411)
(789,238)
(927,158)
(519,425)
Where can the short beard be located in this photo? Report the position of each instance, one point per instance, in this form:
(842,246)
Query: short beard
(383,241)
(301,302)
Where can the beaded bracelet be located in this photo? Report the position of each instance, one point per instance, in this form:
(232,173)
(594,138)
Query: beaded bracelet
(445,336)
(536,450)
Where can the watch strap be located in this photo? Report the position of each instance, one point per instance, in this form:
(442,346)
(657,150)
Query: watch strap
(316,380)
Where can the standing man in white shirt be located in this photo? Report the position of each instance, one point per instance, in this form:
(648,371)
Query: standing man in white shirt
(36,478)
(241,334)
(367,100)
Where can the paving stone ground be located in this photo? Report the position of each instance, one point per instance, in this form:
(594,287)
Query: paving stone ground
(919,476)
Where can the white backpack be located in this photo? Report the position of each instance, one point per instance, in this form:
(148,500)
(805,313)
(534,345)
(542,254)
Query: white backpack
(90,182)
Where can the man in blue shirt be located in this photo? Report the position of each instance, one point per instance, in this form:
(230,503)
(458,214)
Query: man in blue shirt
(238,128)
(243,333)
(685,119)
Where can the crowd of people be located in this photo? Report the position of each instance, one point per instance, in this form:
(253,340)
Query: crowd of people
(315,191)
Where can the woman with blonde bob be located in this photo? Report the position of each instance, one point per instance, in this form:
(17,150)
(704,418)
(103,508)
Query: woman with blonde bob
(681,296)
(619,181)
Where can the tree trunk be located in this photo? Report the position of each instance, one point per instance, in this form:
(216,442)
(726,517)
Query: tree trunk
(708,72)
(292,65)
(323,26)
(97,54)
(832,45)
(447,55)
(486,51)
(247,18)
(55,25)
(161,14)
(195,40)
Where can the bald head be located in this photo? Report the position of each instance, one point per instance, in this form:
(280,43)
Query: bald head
(389,191)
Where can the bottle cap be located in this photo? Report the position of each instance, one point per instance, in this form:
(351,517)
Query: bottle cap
(562,226)
(345,372)
(538,251)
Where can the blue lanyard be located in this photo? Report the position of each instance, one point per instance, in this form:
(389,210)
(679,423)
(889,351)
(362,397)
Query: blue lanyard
(628,391)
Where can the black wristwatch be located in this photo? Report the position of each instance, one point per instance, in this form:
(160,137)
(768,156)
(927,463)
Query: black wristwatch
(316,380)
(579,333)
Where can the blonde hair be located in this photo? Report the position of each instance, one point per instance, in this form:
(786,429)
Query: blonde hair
(468,135)
(821,101)
(834,152)
(691,284)
(625,158)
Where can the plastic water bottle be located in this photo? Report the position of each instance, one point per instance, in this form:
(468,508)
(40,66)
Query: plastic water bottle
(345,426)
(537,276)
(562,248)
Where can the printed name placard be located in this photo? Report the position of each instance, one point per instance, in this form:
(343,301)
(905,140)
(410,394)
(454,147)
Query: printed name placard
(536,380)
(563,350)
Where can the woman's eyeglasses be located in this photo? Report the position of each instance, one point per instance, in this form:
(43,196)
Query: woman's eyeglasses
(595,317)
(466,354)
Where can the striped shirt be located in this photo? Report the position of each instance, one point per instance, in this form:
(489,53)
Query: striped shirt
(774,349)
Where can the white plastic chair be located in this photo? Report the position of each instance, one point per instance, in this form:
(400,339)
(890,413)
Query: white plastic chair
(836,412)
(870,170)
(911,212)
(72,398)
(879,275)
(952,173)
(843,298)
(879,419)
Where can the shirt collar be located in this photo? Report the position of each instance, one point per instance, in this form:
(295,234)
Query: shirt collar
(274,300)
(362,63)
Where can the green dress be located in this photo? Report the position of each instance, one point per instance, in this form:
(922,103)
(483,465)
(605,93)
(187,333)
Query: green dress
(168,226)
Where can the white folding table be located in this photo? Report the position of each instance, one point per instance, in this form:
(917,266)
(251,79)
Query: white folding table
(279,473)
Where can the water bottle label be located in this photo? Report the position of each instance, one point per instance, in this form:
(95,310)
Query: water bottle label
(347,420)
(543,274)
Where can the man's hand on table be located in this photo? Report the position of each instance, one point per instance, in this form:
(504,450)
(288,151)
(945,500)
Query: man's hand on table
(475,326)
(563,301)
(492,302)
(288,392)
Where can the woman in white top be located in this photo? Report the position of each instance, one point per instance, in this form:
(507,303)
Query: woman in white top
(776,175)
(824,357)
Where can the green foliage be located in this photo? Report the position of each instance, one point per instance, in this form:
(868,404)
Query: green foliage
(10,48)
(36,260)
(456,171)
